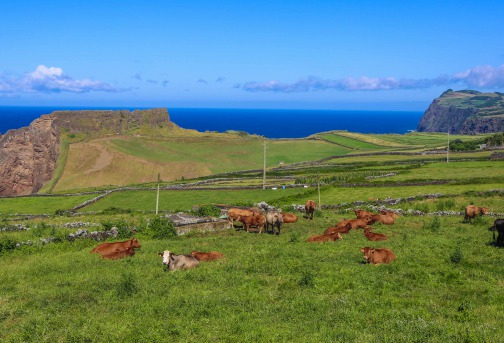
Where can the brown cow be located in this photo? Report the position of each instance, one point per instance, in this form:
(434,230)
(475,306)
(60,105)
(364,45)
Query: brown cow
(109,248)
(472,211)
(377,256)
(325,238)
(382,218)
(360,223)
(310,207)
(289,217)
(235,213)
(374,236)
(256,220)
(389,213)
(207,256)
(340,229)
(119,254)
(342,223)
(361,213)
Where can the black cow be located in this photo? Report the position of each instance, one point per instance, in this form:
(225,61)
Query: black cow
(499,227)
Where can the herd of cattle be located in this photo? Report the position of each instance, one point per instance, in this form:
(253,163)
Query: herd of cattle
(262,221)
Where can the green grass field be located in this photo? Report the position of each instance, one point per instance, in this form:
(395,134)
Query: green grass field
(445,285)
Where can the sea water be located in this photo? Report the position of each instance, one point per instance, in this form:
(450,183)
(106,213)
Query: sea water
(270,123)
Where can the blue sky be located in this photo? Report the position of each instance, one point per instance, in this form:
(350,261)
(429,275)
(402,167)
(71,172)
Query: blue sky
(383,55)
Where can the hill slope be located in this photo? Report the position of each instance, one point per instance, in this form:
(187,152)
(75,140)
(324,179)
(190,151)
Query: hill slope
(464,112)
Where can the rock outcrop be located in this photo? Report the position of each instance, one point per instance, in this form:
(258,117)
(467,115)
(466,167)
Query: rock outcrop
(464,112)
(28,155)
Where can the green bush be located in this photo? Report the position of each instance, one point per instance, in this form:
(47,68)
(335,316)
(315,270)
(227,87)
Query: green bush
(127,285)
(161,228)
(124,229)
(6,244)
(207,210)
(434,225)
(457,255)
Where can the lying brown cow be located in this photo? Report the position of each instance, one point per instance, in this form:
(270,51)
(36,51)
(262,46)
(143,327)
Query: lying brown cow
(310,207)
(340,229)
(289,218)
(325,238)
(235,213)
(256,220)
(120,254)
(377,256)
(361,213)
(382,218)
(472,211)
(110,248)
(374,236)
(207,256)
(389,213)
(360,223)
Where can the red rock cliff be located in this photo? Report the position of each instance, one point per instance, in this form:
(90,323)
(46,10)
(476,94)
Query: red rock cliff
(28,155)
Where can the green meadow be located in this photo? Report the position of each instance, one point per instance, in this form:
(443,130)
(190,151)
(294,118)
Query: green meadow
(446,284)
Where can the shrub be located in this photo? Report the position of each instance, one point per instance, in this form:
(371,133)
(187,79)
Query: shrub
(306,279)
(6,244)
(123,227)
(434,225)
(161,228)
(207,210)
(127,285)
(457,255)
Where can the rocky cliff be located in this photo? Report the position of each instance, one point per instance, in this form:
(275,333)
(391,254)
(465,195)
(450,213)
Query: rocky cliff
(28,155)
(464,112)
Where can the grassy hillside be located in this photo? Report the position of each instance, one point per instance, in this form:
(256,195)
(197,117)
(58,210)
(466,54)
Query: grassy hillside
(445,285)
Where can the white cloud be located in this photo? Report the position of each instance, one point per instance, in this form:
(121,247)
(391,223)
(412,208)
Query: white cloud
(51,80)
(478,77)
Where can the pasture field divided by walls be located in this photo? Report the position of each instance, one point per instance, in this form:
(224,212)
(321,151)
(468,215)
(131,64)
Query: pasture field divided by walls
(445,286)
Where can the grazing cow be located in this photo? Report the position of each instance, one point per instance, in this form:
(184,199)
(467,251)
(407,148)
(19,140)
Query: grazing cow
(377,256)
(374,236)
(499,227)
(273,219)
(256,220)
(119,254)
(360,223)
(207,256)
(173,261)
(472,211)
(340,229)
(325,238)
(361,213)
(382,218)
(310,207)
(235,213)
(289,218)
(109,248)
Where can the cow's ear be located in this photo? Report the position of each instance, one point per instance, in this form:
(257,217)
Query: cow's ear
(160,253)
(171,257)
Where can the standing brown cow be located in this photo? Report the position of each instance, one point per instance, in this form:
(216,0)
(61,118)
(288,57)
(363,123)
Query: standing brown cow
(235,213)
(472,211)
(310,207)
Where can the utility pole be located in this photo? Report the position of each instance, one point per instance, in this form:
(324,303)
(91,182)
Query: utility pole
(318,186)
(448,148)
(264,164)
(157,199)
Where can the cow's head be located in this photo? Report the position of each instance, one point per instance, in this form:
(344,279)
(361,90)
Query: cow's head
(485,210)
(367,252)
(167,258)
(135,243)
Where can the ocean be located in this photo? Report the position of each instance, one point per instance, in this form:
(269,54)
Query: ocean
(271,123)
